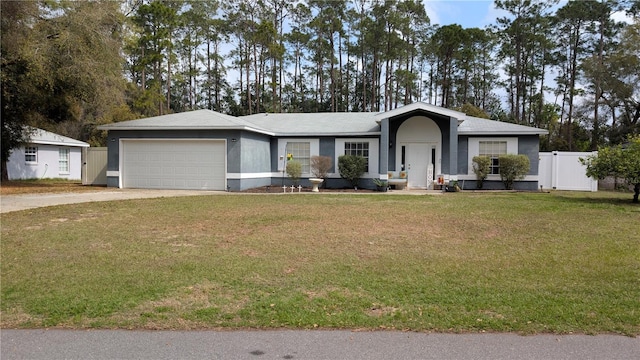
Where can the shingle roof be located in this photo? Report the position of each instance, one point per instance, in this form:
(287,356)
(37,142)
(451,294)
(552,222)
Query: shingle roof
(39,136)
(191,120)
(477,126)
(316,124)
(313,124)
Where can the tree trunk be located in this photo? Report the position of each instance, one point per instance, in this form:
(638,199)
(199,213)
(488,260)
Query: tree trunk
(247,69)
(332,76)
(572,85)
(209,105)
(4,176)
(169,74)
(598,89)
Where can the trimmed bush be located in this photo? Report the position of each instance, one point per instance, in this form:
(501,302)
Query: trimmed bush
(513,167)
(294,171)
(351,168)
(481,167)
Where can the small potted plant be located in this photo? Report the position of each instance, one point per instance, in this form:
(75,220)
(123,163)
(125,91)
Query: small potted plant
(381,185)
(453,186)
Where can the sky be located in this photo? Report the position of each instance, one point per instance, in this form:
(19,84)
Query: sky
(476,13)
(467,13)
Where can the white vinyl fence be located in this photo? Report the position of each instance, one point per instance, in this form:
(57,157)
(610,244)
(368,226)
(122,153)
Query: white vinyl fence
(563,171)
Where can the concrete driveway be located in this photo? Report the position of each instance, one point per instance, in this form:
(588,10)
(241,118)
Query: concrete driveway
(10,203)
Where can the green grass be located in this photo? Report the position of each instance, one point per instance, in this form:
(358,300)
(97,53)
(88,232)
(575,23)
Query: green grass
(517,262)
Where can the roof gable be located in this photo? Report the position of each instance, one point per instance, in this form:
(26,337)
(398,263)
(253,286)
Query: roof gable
(420,106)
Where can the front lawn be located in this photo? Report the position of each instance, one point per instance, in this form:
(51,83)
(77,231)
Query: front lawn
(523,262)
(38,186)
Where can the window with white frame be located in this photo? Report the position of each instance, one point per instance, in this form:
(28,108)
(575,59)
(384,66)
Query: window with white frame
(358,149)
(63,160)
(492,150)
(300,152)
(31,154)
(365,147)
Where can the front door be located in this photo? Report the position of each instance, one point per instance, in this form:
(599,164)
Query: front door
(417,161)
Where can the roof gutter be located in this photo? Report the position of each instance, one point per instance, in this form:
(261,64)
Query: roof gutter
(58,143)
(377,133)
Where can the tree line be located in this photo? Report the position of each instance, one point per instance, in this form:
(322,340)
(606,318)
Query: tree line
(69,66)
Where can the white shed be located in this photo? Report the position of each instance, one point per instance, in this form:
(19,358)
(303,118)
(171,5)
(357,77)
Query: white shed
(47,155)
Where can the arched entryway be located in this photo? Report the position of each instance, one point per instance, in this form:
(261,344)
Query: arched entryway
(419,151)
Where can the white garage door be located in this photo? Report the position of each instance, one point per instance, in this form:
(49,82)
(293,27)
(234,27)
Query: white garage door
(174,164)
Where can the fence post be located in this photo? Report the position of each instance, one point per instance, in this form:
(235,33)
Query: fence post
(554,170)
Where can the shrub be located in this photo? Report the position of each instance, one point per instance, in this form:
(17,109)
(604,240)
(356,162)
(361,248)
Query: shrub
(294,170)
(320,166)
(619,161)
(351,168)
(481,167)
(513,167)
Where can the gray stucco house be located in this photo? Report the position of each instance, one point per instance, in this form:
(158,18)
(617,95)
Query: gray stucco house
(415,146)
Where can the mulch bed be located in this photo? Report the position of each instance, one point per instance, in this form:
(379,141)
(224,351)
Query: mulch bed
(278,189)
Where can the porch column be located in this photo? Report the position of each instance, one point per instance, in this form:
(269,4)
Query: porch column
(453,148)
(383,161)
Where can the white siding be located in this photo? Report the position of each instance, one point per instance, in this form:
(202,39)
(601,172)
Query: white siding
(47,164)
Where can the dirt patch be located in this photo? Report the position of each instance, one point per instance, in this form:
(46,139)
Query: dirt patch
(378,310)
(46,187)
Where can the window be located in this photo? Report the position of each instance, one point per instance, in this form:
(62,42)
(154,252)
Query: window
(301,152)
(63,160)
(31,154)
(368,148)
(358,149)
(493,149)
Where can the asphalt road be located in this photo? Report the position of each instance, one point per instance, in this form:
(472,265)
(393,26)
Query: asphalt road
(320,344)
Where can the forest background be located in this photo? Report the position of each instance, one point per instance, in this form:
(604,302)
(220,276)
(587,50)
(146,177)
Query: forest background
(568,67)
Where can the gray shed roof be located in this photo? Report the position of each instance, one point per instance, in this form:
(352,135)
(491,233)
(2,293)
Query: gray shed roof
(39,136)
(313,124)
